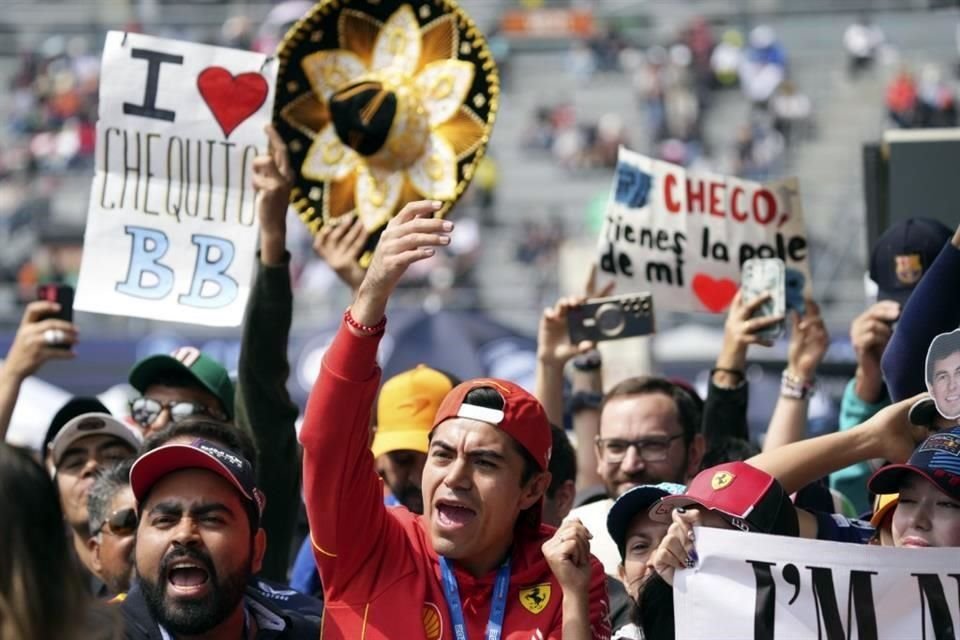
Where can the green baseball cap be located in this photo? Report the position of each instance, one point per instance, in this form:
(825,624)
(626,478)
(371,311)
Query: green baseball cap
(189,361)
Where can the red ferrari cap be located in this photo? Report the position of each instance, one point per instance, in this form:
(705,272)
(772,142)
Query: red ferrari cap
(750,499)
(522,416)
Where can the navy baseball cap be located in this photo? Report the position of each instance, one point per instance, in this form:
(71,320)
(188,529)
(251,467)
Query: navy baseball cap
(633,502)
(903,254)
(937,459)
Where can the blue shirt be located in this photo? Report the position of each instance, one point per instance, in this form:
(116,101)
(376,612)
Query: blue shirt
(834,527)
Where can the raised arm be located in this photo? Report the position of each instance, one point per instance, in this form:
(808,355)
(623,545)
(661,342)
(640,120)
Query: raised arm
(28,353)
(263,406)
(808,344)
(349,524)
(933,308)
(554,350)
(725,410)
(887,435)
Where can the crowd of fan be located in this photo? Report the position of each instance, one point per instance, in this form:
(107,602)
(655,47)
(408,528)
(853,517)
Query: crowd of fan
(430,499)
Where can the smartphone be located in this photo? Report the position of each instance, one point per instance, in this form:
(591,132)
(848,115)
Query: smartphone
(622,316)
(765,275)
(793,290)
(61,294)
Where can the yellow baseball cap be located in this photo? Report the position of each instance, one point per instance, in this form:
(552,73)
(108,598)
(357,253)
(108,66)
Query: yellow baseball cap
(882,505)
(406,409)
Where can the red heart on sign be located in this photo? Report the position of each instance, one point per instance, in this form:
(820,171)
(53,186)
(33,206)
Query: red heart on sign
(714,294)
(231,99)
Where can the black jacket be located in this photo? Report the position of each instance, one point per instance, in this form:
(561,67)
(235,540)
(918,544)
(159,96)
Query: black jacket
(140,625)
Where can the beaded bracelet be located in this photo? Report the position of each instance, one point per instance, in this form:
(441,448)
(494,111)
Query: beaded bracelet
(375,330)
(795,387)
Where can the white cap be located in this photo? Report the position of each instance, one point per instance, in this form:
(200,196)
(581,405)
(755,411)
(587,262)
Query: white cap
(92,424)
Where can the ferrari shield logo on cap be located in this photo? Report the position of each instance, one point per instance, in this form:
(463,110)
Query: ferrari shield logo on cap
(721,480)
(536,598)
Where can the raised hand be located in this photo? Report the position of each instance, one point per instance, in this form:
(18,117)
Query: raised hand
(809,342)
(568,555)
(409,237)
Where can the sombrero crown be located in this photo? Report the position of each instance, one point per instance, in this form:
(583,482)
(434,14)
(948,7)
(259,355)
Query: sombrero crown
(382,103)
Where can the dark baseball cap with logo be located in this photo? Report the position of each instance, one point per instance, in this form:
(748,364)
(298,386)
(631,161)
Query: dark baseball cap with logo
(186,362)
(937,460)
(903,254)
(155,465)
(748,498)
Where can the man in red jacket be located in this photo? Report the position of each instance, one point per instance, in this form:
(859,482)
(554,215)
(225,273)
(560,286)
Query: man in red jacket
(478,563)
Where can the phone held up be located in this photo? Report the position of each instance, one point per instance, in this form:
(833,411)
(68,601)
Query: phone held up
(623,316)
(62,294)
(765,275)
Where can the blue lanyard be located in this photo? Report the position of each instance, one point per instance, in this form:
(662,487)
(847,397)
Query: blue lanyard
(498,605)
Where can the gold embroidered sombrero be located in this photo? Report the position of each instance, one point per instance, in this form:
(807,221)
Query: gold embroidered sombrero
(382,102)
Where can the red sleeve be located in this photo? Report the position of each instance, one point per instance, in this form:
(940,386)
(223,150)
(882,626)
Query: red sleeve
(349,524)
(599,602)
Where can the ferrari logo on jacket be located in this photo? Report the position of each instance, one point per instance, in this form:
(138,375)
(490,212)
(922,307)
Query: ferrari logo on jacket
(535,599)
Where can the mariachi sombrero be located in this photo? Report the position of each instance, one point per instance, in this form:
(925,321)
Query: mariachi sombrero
(382,102)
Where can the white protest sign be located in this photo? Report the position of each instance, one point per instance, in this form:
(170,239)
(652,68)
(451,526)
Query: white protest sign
(171,231)
(760,587)
(683,236)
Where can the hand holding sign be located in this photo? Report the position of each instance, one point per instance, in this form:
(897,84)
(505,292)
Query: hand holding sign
(684,236)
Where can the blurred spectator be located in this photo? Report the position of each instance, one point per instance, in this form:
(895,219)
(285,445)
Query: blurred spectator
(726,59)
(902,98)
(936,103)
(760,147)
(791,110)
(764,65)
(862,41)
(581,61)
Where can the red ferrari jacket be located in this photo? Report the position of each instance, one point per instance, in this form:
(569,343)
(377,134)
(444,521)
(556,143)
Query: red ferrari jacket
(381,576)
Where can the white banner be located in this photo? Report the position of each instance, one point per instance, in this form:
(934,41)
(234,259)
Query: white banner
(759,587)
(684,236)
(171,231)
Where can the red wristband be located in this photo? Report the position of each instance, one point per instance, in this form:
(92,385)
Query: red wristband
(375,330)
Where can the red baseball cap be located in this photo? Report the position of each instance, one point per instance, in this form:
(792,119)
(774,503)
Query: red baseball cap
(522,417)
(750,499)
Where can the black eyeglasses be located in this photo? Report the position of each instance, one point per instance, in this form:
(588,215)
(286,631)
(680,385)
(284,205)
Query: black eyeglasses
(146,410)
(614,450)
(122,522)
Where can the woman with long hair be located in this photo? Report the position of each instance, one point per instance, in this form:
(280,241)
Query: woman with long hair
(42,595)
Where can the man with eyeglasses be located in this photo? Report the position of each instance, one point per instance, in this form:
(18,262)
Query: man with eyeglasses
(649,433)
(85,446)
(113,523)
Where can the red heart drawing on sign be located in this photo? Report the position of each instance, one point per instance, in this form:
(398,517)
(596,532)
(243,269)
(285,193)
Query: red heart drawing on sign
(714,294)
(231,99)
